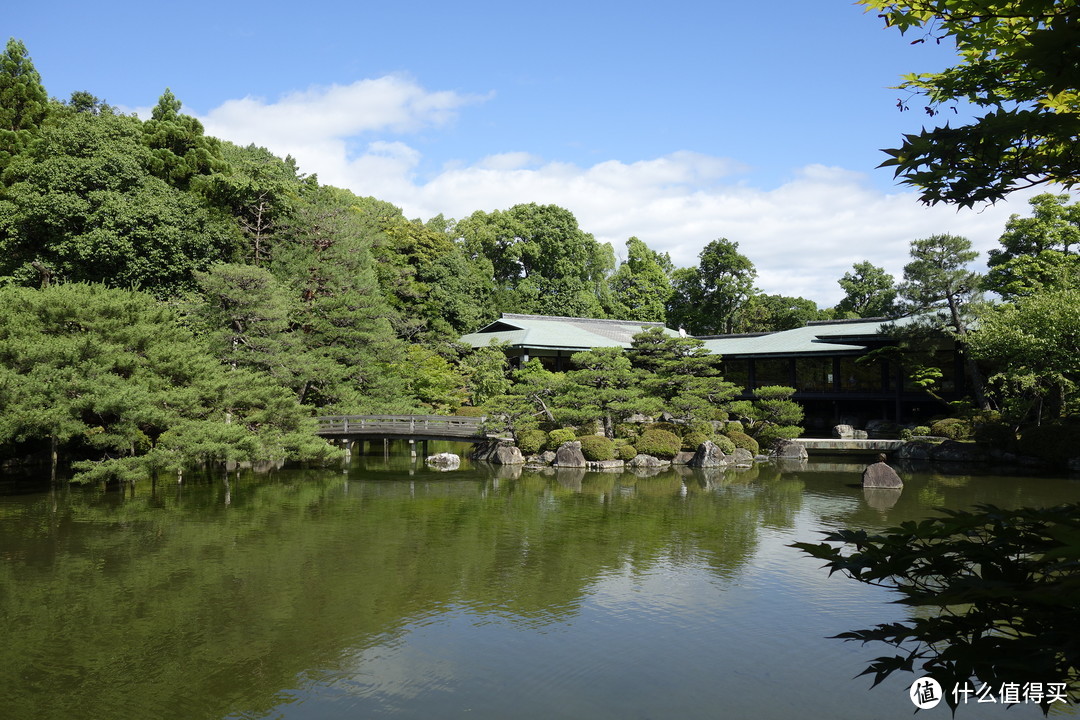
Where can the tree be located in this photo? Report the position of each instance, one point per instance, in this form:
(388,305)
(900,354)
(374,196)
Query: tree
(682,374)
(111,376)
(869,291)
(772,415)
(1038,253)
(992,592)
(542,262)
(1033,344)
(23,100)
(937,280)
(603,386)
(179,147)
(707,299)
(640,288)
(81,204)
(772,313)
(1019,61)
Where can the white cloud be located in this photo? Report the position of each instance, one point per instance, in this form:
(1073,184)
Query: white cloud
(802,235)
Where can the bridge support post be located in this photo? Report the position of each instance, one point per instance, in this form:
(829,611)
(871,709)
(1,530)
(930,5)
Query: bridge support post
(423,448)
(412,448)
(386,448)
(347,445)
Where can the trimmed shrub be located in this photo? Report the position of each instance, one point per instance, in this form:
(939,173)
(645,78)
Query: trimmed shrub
(692,440)
(626,452)
(742,440)
(659,443)
(666,426)
(558,437)
(725,444)
(733,426)
(953,429)
(530,442)
(470,411)
(596,447)
(630,431)
(921,431)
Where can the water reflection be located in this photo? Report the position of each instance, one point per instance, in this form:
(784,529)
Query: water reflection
(398,587)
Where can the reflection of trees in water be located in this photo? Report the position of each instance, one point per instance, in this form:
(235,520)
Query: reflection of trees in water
(194,598)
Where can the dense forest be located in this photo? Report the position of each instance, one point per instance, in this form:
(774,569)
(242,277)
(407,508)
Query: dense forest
(167,297)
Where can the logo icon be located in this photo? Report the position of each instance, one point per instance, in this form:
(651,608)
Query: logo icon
(925,693)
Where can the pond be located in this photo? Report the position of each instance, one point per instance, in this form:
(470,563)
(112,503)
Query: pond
(390,590)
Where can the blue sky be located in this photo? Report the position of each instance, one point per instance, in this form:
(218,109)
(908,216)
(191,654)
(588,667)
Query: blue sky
(677,122)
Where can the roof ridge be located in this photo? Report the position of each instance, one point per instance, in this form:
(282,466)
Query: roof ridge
(522,316)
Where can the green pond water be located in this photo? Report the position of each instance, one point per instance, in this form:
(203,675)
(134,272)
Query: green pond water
(392,590)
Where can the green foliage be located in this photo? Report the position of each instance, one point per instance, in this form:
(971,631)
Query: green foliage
(665,426)
(993,594)
(921,430)
(953,429)
(469,411)
(691,440)
(1054,442)
(1040,253)
(595,447)
(23,100)
(726,444)
(869,291)
(773,313)
(604,387)
(81,203)
(771,416)
(530,442)
(626,452)
(629,431)
(742,440)
(1017,62)
(733,426)
(681,373)
(555,438)
(707,299)
(659,443)
(640,288)
(111,376)
(180,151)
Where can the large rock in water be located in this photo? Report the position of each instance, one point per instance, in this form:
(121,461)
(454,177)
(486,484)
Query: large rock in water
(646,461)
(507,455)
(569,455)
(708,455)
(880,475)
(844,432)
(444,461)
(741,458)
(790,450)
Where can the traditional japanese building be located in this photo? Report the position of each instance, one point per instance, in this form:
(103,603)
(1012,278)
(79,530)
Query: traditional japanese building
(826,361)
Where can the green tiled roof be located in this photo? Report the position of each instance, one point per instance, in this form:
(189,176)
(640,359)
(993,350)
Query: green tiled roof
(820,337)
(559,333)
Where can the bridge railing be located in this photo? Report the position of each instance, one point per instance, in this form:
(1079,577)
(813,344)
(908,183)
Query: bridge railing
(443,425)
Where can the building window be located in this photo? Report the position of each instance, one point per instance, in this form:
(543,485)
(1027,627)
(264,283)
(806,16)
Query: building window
(859,377)
(772,372)
(814,374)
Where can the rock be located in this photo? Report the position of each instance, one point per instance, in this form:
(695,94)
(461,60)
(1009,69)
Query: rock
(860,435)
(913,450)
(844,432)
(952,451)
(647,461)
(507,455)
(569,455)
(444,461)
(639,419)
(741,458)
(604,464)
(545,458)
(708,455)
(881,428)
(880,475)
(881,498)
(682,458)
(789,450)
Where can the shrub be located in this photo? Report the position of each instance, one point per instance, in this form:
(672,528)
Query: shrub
(665,426)
(530,442)
(921,431)
(772,434)
(630,431)
(558,437)
(659,443)
(596,447)
(1054,442)
(470,411)
(725,444)
(734,426)
(692,440)
(627,452)
(953,429)
(742,440)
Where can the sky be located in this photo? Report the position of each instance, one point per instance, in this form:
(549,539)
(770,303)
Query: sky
(678,122)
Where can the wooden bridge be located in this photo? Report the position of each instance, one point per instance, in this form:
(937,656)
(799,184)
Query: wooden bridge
(350,429)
